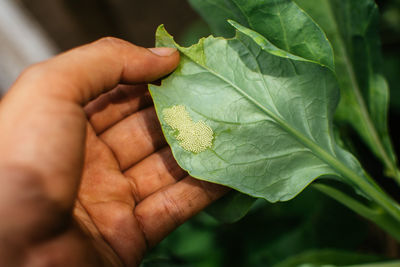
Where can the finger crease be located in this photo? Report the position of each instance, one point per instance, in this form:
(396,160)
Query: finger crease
(172,209)
(99,233)
(134,188)
(141,226)
(111,151)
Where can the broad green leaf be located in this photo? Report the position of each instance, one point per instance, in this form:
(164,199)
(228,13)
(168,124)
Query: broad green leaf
(282,22)
(271,117)
(352,29)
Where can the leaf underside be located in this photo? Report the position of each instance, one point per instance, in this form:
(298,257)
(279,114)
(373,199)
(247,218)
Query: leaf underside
(271,116)
(352,28)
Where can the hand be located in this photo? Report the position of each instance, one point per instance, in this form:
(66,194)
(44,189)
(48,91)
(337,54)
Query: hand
(90,183)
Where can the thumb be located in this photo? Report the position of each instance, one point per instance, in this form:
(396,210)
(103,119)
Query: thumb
(42,120)
(94,68)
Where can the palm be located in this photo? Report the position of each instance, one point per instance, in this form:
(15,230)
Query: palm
(132,192)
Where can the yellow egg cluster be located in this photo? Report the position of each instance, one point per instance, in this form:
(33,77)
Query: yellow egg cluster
(193,136)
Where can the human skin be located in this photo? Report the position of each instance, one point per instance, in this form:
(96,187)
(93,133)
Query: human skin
(86,177)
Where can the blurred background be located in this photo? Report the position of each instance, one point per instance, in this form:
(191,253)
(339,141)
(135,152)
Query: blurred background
(311,227)
(31,30)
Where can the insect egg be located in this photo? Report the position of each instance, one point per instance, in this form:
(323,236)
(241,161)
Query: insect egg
(193,136)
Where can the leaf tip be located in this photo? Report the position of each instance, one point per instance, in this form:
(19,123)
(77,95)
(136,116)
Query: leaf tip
(163,38)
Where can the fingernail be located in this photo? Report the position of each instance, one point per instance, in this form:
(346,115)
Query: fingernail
(163,51)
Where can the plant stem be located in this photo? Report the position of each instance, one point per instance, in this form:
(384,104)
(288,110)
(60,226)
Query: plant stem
(370,189)
(365,184)
(376,215)
(389,163)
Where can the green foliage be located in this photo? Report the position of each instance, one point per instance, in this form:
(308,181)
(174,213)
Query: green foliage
(284,24)
(194,32)
(231,207)
(332,258)
(271,117)
(352,28)
(268,235)
(270,95)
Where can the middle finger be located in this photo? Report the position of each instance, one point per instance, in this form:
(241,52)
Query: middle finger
(112,107)
(135,137)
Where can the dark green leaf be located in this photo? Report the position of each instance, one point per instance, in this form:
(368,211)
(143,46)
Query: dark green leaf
(370,211)
(392,67)
(320,258)
(231,207)
(194,32)
(217,12)
(282,22)
(377,264)
(269,234)
(352,28)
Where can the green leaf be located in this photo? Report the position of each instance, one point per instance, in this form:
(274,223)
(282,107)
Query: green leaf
(370,211)
(327,257)
(269,234)
(192,33)
(271,117)
(282,22)
(392,67)
(217,12)
(231,208)
(377,264)
(161,262)
(352,28)
(265,43)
